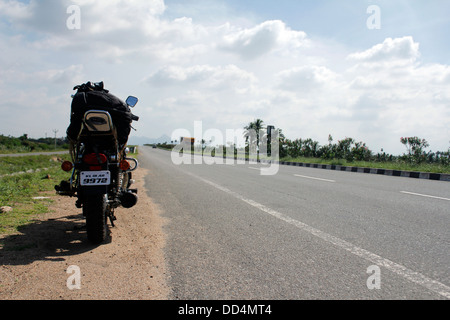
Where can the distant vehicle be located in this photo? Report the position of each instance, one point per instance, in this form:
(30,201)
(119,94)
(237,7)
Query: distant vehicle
(154,146)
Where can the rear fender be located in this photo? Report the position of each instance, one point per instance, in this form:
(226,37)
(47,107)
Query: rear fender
(90,191)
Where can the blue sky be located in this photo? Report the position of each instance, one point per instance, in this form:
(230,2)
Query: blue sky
(344,21)
(311,68)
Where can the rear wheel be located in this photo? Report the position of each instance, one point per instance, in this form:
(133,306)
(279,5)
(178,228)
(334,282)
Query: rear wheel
(94,209)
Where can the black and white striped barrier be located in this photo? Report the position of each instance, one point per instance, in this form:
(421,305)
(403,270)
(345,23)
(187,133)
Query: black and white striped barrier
(388,172)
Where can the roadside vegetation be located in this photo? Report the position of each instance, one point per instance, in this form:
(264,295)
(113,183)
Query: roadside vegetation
(345,152)
(349,152)
(27,185)
(133,151)
(24,144)
(21,180)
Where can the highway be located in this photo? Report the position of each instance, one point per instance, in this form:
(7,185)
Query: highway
(302,233)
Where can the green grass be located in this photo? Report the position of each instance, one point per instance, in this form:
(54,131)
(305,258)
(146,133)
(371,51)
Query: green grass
(22,149)
(425,167)
(17,191)
(17,164)
(133,154)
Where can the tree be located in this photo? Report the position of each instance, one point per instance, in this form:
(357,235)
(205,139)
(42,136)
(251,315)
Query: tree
(415,147)
(343,149)
(255,126)
(310,148)
(361,152)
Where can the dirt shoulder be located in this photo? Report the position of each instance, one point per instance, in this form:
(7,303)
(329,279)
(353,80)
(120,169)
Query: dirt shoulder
(34,262)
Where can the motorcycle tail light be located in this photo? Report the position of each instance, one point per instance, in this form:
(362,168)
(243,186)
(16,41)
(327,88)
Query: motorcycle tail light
(124,165)
(67,166)
(95,158)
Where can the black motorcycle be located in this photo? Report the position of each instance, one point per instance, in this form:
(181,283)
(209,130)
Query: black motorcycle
(101,172)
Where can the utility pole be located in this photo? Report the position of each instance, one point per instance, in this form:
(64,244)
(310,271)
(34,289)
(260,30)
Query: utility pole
(55,131)
(269,139)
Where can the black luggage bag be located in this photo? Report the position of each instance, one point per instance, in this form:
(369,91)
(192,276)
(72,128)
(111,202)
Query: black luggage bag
(95,97)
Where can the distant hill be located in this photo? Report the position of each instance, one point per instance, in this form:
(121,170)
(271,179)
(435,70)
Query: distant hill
(140,141)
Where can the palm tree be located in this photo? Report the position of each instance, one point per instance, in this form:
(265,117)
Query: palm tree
(256,126)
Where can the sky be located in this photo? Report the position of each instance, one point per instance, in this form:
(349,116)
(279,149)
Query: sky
(374,71)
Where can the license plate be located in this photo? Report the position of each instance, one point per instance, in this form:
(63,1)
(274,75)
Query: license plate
(95,178)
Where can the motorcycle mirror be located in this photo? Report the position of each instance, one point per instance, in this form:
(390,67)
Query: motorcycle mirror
(132,101)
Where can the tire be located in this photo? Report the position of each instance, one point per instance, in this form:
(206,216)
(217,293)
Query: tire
(94,209)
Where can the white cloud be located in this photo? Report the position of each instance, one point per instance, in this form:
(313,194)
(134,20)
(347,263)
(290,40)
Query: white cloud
(207,76)
(399,95)
(108,27)
(14,10)
(261,39)
(226,74)
(306,78)
(100,16)
(399,49)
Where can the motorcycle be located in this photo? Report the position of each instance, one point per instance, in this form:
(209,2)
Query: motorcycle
(101,173)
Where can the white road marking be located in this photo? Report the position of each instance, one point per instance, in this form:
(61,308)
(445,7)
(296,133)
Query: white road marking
(402,271)
(262,169)
(307,177)
(424,195)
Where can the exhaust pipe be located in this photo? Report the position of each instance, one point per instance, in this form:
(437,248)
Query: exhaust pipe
(128,199)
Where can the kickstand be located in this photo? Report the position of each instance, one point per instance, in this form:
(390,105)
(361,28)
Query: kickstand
(112,217)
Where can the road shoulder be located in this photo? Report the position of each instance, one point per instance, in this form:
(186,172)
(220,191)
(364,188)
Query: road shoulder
(34,263)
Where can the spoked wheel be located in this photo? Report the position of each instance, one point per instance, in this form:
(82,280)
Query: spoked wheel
(94,209)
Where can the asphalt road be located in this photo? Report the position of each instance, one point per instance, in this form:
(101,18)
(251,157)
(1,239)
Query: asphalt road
(303,233)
